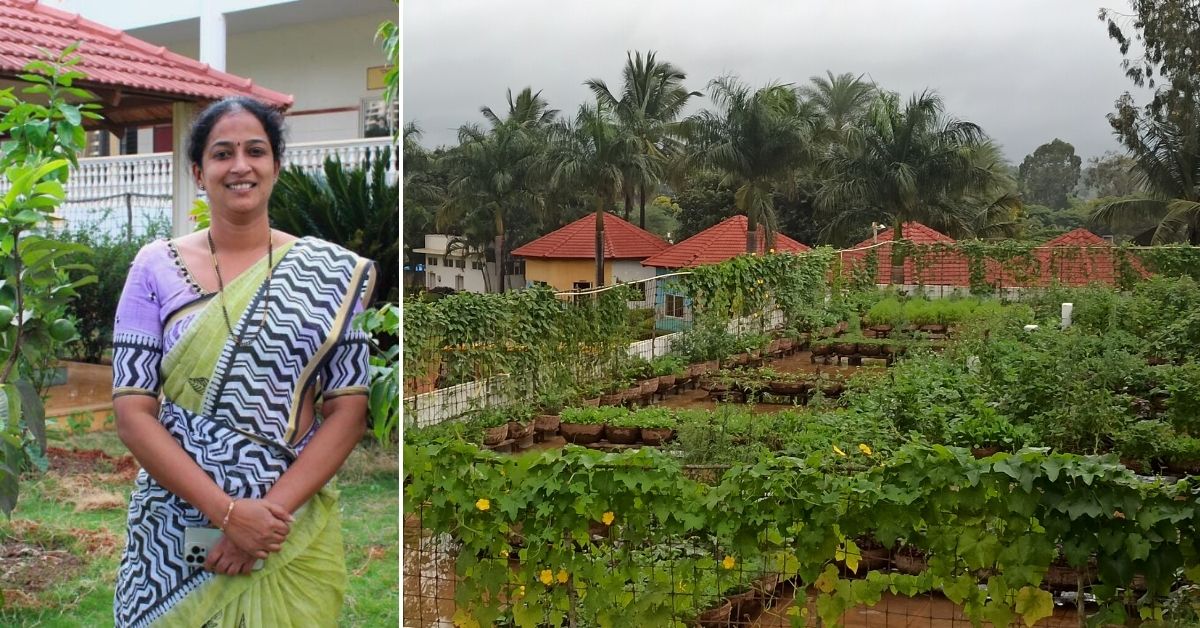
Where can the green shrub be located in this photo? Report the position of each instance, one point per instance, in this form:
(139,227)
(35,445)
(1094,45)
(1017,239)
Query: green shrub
(1145,441)
(886,312)
(96,304)
(353,205)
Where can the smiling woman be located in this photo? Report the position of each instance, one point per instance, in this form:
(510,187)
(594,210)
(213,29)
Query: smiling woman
(223,343)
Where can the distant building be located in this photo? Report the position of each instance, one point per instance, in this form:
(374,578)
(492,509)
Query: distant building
(722,241)
(565,259)
(449,264)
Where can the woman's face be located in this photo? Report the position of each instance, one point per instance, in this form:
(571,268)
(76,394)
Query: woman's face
(238,167)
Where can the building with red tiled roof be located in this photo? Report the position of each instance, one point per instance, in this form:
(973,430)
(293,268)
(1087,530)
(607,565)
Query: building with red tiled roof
(1078,258)
(722,241)
(137,82)
(565,258)
(940,268)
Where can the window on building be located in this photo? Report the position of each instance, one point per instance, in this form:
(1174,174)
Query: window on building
(432,261)
(477,265)
(129,141)
(460,263)
(674,306)
(518,267)
(581,285)
(458,282)
(376,119)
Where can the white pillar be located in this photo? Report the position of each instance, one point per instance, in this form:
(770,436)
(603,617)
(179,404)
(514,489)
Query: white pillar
(1067,309)
(183,187)
(212,35)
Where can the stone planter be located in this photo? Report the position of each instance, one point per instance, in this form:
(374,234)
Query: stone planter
(493,436)
(580,433)
(621,435)
(656,436)
(612,399)
(845,348)
(546,425)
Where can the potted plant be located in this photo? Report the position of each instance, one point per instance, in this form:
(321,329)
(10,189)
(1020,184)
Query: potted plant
(589,395)
(521,426)
(622,429)
(493,423)
(657,425)
(549,404)
(583,426)
(668,368)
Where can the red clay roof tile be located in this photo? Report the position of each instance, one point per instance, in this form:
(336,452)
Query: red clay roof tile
(112,58)
(722,241)
(622,240)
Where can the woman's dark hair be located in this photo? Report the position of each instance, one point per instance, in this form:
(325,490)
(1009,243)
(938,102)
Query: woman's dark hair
(269,117)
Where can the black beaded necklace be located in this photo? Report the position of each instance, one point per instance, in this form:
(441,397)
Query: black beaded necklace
(212,249)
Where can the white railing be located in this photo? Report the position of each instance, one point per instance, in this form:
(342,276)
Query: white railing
(126,193)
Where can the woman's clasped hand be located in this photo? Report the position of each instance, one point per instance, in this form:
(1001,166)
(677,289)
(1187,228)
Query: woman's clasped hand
(255,529)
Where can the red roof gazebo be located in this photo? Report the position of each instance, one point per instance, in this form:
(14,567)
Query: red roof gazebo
(138,84)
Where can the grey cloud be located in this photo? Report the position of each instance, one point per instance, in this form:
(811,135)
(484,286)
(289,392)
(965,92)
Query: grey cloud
(1027,71)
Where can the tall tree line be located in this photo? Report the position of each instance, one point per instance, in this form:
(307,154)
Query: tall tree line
(829,156)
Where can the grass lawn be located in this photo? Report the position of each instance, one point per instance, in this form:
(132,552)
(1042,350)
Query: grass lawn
(58,553)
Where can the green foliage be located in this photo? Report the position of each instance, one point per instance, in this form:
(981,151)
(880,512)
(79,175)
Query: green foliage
(41,274)
(384,395)
(1049,174)
(357,208)
(1009,515)
(471,336)
(96,304)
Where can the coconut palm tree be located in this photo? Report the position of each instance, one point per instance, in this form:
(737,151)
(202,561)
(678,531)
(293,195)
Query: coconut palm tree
(900,164)
(592,152)
(841,100)
(1166,153)
(757,140)
(651,99)
(490,171)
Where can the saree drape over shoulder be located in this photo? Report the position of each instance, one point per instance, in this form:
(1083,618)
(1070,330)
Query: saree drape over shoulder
(235,409)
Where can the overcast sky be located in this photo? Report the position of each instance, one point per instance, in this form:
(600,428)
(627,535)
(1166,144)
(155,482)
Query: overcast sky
(1027,71)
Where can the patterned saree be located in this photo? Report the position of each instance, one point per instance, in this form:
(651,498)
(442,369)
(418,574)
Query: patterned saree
(234,408)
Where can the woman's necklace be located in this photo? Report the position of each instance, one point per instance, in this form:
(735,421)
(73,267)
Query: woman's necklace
(212,249)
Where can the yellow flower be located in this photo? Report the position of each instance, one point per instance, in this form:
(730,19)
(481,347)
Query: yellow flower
(770,250)
(729,562)
(483,504)
(504,553)
(838,450)
(863,447)
(521,591)
(547,577)
(608,518)
(562,576)
(760,281)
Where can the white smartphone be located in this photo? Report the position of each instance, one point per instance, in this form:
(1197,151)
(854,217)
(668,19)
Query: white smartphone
(198,542)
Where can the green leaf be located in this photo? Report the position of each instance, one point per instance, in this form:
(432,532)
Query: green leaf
(1034,605)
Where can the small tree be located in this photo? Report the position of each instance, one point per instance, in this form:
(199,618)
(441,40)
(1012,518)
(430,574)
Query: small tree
(38,274)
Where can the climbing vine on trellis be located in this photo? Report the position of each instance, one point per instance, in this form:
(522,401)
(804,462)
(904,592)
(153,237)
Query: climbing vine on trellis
(751,284)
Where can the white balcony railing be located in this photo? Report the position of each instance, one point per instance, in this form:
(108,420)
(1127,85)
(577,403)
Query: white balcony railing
(128,193)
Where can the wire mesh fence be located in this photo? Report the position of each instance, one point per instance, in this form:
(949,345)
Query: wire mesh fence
(692,580)
(128,215)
